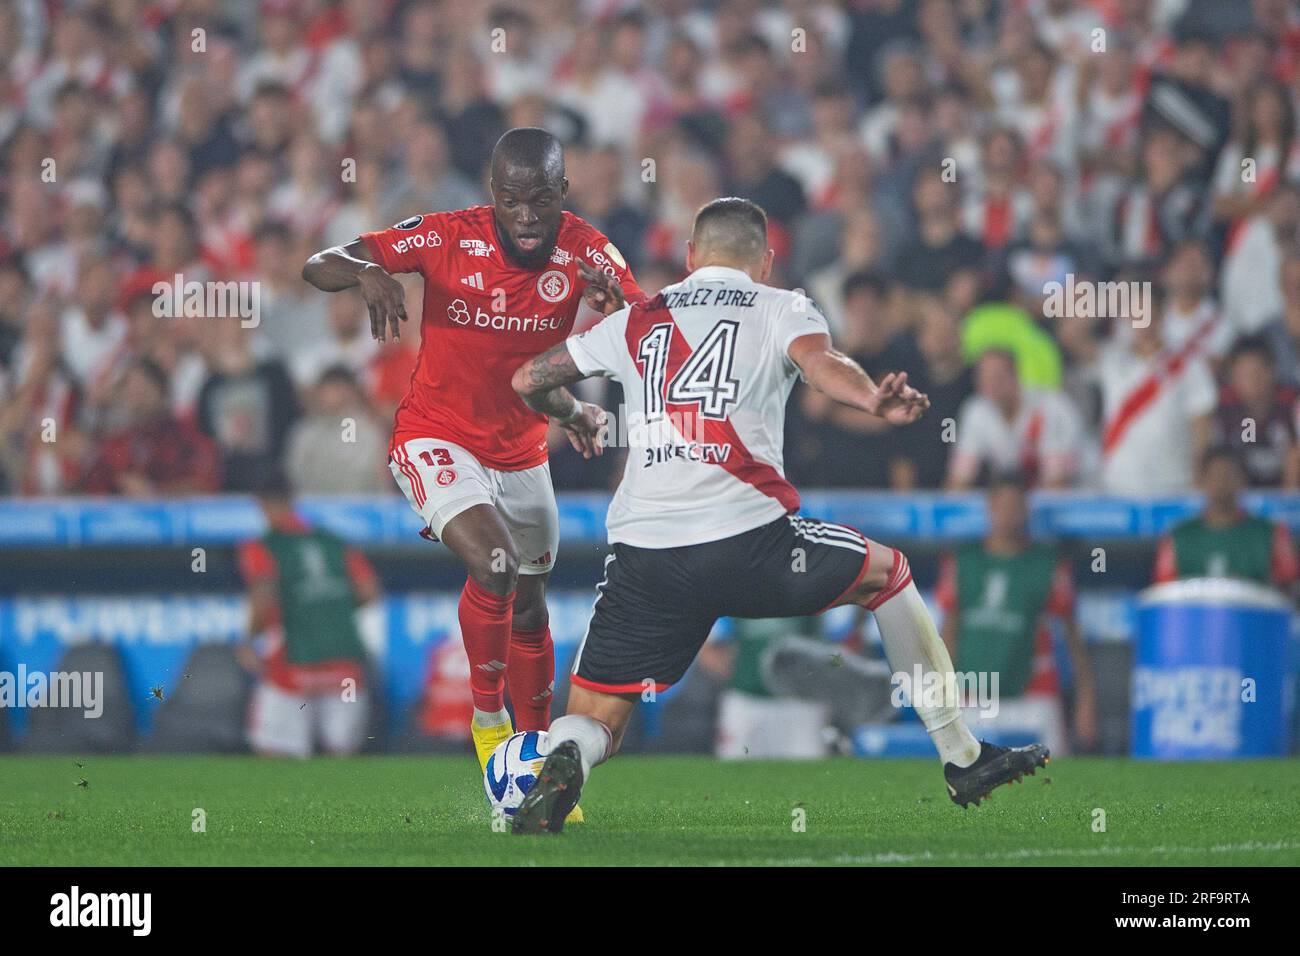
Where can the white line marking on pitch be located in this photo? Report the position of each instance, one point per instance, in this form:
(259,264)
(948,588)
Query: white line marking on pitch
(1028,854)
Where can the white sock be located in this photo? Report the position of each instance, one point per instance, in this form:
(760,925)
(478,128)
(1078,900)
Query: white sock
(487,718)
(591,736)
(910,639)
(957,745)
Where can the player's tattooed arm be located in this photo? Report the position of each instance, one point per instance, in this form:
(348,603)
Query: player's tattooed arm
(350,266)
(837,376)
(540,383)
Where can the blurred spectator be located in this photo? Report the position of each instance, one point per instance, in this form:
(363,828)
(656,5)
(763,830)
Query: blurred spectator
(338,447)
(813,161)
(606,81)
(1190,309)
(903,78)
(1156,409)
(1255,419)
(15,295)
(154,454)
(755,175)
(247,405)
(1159,208)
(1225,541)
(1283,333)
(40,444)
(840,446)
(1006,427)
(941,248)
(998,598)
(92,329)
(1264,153)
(860,248)
(1251,286)
(948,382)
(690,179)
(348,342)
(998,207)
(427,181)
(597,195)
(292,316)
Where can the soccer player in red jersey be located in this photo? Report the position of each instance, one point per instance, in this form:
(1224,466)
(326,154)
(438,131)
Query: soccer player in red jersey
(501,283)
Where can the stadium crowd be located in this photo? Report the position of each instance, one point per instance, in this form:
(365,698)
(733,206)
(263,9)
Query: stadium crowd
(942,177)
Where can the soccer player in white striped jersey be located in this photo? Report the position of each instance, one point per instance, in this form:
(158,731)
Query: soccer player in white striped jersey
(704,524)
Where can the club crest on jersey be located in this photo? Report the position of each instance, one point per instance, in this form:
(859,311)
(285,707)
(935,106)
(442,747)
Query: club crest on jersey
(553,286)
(445,477)
(409,223)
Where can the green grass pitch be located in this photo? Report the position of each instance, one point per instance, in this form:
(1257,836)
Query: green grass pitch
(641,810)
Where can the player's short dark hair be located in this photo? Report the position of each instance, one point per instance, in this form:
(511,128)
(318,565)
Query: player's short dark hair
(732,225)
(530,147)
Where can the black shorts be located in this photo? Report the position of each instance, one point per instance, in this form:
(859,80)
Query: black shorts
(656,606)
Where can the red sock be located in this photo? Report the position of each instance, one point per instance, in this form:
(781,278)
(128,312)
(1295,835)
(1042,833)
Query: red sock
(485,629)
(531,676)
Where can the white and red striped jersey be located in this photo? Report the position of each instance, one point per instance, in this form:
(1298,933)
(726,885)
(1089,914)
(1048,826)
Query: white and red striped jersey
(706,374)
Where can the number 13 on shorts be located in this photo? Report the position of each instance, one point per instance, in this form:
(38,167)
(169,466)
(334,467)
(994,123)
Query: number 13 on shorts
(442,479)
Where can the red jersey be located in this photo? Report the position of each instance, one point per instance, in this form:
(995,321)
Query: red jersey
(483,317)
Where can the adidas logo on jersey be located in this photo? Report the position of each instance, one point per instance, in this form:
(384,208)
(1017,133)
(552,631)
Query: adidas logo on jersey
(474,282)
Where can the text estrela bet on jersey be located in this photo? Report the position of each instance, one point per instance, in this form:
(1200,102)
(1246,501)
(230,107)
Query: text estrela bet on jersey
(483,317)
(705,367)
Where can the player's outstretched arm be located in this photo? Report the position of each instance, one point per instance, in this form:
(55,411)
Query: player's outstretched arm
(345,267)
(540,383)
(837,376)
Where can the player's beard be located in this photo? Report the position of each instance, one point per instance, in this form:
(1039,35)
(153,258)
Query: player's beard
(528,260)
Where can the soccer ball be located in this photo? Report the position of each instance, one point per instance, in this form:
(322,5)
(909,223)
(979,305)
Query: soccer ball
(513,768)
